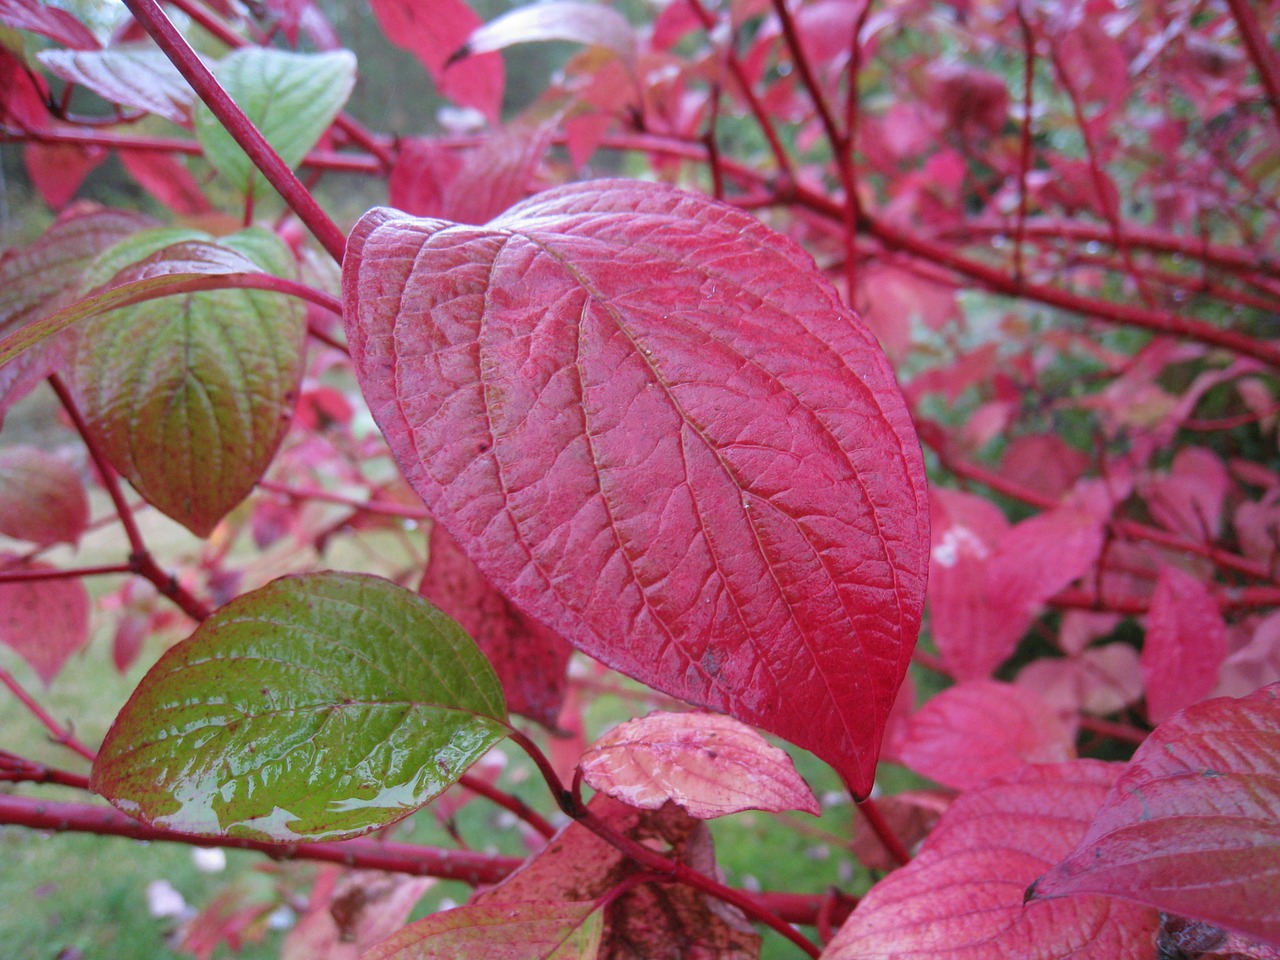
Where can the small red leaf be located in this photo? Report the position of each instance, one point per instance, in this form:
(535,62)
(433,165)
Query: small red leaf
(167,179)
(654,427)
(708,764)
(45,621)
(979,729)
(58,169)
(1185,645)
(961,898)
(432,33)
(1192,826)
(529,659)
(41,497)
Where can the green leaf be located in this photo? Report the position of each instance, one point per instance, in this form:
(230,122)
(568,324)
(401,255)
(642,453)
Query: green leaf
(290,97)
(190,396)
(318,707)
(520,930)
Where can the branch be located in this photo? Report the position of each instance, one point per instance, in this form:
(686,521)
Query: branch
(1255,41)
(59,733)
(299,199)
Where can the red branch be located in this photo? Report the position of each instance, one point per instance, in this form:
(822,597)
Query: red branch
(59,733)
(1255,41)
(242,130)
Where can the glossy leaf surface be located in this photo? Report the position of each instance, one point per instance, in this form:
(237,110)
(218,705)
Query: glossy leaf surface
(41,497)
(44,621)
(651,423)
(710,765)
(193,417)
(1192,827)
(961,898)
(317,707)
(290,97)
(521,930)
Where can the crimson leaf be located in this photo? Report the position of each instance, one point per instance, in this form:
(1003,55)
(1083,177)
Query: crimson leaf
(1192,827)
(653,425)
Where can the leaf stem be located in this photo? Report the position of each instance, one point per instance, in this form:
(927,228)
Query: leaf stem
(16,769)
(880,826)
(242,130)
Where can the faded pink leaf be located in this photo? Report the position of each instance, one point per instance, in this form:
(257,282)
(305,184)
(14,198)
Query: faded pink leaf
(1044,463)
(44,621)
(1192,826)
(529,659)
(350,912)
(980,729)
(1255,663)
(1189,498)
(961,898)
(432,33)
(1185,644)
(1099,681)
(653,426)
(41,497)
(139,77)
(1040,556)
(569,20)
(710,765)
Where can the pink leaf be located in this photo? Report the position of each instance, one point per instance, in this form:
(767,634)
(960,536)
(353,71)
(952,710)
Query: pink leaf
(961,898)
(433,32)
(709,764)
(139,77)
(167,179)
(41,497)
(529,659)
(980,729)
(349,912)
(1041,556)
(1192,826)
(1185,645)
(1189,498)
(45,621)
(654,427)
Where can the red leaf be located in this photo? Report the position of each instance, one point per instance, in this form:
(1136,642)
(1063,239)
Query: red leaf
(1044,463)
(974,731)
(529,659)
(348,912)
(48,21)
(1041,556)
(508,930)
(432,33)
(654,427)
(1185,645)
(23,95)
(1189,498)
(1192,826)
(45,621)
(167,179)
(708,764)
(961,898)
(58,169)
(41,497)
(429,180)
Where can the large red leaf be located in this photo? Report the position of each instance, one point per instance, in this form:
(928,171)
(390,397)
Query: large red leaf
(961,898)
(652,424)
(432,32)
(529,659)
(45,621)
(1185,645)
(1192,826)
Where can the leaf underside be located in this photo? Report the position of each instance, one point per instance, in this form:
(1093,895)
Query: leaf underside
(651,423)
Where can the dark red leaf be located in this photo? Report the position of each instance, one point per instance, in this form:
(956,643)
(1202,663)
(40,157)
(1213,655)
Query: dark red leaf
(974,731)
(48,21)
(432,33)
(1185,645)
(529,659)
(655,428)
(58,169)
(167,179)
(45,621)
(961,898)
(1192,826)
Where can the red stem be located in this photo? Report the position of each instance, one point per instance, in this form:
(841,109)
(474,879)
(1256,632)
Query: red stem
(59,733)
(232,118)
(19,576)
(510,803)
(1255,41)
(315,493)
(880,826)
(16,769)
